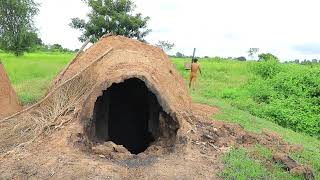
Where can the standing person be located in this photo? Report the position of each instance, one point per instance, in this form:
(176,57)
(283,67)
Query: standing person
(193,74)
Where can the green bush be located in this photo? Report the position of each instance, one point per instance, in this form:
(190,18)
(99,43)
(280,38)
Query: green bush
(268,57)
(230,94)
(290,98)
(260,90)
(266,69)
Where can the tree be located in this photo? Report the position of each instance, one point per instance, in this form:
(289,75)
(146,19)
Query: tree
(58,48)
(241,58)
(306,62)
(17,31)
(165,45)
(252,51)
(111,16)
(179,55)
(267,57)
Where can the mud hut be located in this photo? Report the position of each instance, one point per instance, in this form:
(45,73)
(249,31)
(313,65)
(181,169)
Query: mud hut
(118,90)
(8,99)
(117,107)
(137,96)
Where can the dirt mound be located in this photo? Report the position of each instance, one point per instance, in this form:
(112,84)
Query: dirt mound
(8,99)
(119,110)
(154,85)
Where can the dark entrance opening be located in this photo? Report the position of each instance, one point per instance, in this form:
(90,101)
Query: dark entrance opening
(128,114)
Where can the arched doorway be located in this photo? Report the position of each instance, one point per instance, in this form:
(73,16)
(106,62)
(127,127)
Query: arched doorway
(128,114)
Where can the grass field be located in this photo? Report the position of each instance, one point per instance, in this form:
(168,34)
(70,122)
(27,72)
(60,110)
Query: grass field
(221,76)
(32,73)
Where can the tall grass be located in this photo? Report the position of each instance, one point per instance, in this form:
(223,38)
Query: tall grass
(32,73)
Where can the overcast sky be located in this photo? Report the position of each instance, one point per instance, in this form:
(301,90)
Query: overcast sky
(289,29)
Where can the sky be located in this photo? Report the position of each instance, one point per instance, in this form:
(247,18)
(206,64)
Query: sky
(289,29)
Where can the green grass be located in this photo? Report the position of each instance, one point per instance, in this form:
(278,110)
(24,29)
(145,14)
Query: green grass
(220,85)
(253,163)
(217,76)
(290,96)
(32,73)
(240,166)
(221,76)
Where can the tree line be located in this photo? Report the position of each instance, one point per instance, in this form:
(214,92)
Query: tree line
(261,57)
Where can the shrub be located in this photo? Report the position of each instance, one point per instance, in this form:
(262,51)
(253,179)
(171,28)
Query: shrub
(268,57)
(266,69)
(241,58)
(261,91)
(229,94)
(290,98)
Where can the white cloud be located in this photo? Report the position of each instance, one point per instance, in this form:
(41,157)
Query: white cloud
(215,27)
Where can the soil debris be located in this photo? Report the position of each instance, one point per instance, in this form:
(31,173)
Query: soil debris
(111,150)
(292,166)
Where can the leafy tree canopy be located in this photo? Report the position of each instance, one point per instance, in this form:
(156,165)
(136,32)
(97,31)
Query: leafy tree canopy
(17,31)
(165,45)
(267,57)
(253,51)
(241,58)
(111,16)
(179,55)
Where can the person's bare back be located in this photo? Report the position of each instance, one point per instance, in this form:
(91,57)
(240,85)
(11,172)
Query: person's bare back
(193,74)
(194,68)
